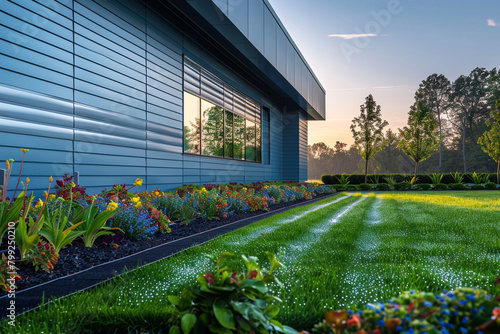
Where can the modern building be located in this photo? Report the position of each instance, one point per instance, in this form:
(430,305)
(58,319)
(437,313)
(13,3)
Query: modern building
(171,91)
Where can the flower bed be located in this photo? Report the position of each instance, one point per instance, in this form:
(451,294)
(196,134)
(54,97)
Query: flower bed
(69,231)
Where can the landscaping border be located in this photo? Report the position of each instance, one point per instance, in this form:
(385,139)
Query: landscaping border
(31,298)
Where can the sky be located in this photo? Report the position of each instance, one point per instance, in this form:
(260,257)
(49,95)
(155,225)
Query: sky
(386,48)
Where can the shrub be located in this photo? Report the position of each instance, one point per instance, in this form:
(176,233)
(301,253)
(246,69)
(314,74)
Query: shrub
(436,178)
(402,185)
(225,301)
(351,187)
(477,186)
(423,186)
(327,179)
(339,187)
(490,185)
(383,186)
(458,186)
(440,186)
(365,186)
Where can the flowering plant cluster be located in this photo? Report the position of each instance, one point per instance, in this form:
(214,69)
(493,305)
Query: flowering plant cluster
(229,302)
(461,311)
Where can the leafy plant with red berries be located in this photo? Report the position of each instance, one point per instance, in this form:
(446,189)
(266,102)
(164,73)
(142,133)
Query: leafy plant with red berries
(8,274)
(226,302)
(43,256)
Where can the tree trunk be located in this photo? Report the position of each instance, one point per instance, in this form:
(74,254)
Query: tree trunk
(416,167)
(498,170)
(366,171)
(440,142)
(464,133)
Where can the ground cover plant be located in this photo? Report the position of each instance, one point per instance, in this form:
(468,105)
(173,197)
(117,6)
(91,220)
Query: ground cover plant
(339,253)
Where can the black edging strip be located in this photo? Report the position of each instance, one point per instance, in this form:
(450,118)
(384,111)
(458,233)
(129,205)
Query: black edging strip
(31,298)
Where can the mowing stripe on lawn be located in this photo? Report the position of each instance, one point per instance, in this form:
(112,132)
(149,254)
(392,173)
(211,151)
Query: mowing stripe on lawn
(381,246)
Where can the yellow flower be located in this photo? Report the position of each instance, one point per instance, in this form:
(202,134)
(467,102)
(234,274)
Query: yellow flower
(73,184)
(135,199)
(27,180)
(39,203)
(138,183)
(24,150)
(112,206)
(52,196)
(7,164)
(51,179)
(44,194)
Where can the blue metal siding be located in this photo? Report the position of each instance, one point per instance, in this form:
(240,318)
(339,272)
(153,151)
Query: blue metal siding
(99,91)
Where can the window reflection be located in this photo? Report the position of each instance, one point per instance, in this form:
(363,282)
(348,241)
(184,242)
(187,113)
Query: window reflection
(212,125)
(250,141)
(228,143)
(239,137)
(191,123)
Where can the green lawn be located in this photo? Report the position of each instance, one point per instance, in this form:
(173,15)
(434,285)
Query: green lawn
(342,252)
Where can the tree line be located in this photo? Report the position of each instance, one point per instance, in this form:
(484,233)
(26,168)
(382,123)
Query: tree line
(452,126)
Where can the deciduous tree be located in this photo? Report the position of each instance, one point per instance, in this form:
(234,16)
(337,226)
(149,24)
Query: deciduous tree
(421,137)
(367,131)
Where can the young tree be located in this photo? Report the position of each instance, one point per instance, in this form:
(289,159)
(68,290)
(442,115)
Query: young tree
(490,140)
(367,131)
(435,91)
(420,138)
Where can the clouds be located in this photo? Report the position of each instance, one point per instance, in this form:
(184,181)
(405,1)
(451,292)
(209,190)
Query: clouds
(354,36)
(492,23)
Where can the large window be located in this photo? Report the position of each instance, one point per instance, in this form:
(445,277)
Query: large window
(219,121)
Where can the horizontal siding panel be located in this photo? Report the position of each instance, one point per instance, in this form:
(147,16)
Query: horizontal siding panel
(11,111)
(106,116)
(26,98)
(99,126)
(106,104)
(96,73)
(108,20)
(164,93)
(164,147)
(153,155)
(34,84)
(85,38)
(156,163)
(35,71)
(35,57)
(110,170)
(12,142)
(157,138)
(100,182)
(105,63)
(164,172)
(164,125)
(111,94)
(102,138)
(28,128)
(110,160)
(19,41)
(40,16)
(82,149)
(160,111)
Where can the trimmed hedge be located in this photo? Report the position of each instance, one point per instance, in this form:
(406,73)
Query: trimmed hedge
(422,178)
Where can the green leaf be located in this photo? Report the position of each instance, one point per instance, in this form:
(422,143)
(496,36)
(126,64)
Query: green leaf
(272,311)
(187,322)
(219,329)
(174,330)
(278,326)
(260,303)
(241,308)
(223,257)
(275,264)
(175,300)
(257,285)
(224,315)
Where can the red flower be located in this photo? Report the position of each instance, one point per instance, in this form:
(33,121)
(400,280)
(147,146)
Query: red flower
(209,278)
(252,274)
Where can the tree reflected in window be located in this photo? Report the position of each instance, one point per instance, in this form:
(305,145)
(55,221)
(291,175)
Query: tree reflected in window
(212,125)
